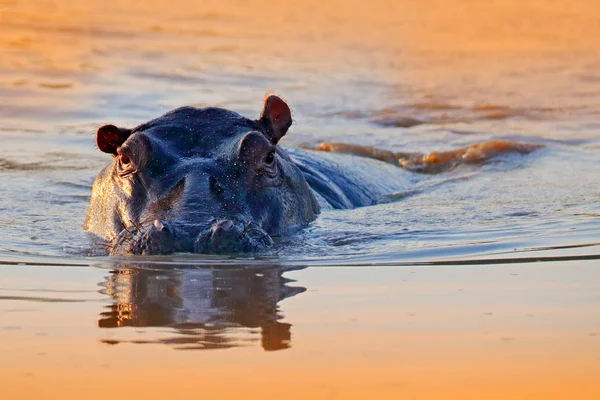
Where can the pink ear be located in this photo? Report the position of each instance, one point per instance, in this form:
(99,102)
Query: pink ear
(276,117)
(109,138)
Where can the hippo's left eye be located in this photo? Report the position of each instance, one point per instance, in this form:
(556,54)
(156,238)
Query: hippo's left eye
(270,158)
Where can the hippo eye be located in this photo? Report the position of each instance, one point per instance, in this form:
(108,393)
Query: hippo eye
(214,186)
(125,165)
(270,158)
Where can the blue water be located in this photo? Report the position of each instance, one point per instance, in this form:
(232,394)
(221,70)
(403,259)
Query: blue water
(62,76)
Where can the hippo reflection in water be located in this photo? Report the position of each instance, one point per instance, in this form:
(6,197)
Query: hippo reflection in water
(208,308)
(209,180)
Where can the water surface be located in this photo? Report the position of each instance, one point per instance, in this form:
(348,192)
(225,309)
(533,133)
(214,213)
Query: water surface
(456,75)
(403,76)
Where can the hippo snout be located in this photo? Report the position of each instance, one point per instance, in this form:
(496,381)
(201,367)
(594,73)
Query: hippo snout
(227,236)
(222,226)
(157,238)
(224,233)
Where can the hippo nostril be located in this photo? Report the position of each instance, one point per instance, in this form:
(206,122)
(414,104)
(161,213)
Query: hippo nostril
(224,225)
(158,224)
(226,236)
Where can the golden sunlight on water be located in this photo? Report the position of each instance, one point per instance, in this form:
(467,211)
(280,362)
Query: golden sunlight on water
(63,36)
(494,332)
(508,26)
(64,61)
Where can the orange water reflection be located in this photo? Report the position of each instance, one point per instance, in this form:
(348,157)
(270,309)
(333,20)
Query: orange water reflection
(208,309)
(508,331)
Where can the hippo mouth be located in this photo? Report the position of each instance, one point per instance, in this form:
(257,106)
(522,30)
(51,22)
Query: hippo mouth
(228,237)
(163,237)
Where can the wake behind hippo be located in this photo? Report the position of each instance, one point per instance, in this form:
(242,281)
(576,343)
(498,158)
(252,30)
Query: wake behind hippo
(212,181)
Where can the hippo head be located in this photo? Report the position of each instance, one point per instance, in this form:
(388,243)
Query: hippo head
(206,180)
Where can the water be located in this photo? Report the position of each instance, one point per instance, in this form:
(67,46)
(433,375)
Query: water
(68,68)
(404,76)
(497,331)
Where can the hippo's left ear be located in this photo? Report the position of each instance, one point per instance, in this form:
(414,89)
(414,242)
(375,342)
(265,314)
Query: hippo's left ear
(109,138)
(276,117)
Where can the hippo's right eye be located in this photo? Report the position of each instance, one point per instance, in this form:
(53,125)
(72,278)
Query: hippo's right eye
(214,186)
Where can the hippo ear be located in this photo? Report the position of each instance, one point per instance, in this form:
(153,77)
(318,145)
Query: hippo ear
(276,117)
(109,138)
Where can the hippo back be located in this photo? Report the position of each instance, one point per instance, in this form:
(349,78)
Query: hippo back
(345,181)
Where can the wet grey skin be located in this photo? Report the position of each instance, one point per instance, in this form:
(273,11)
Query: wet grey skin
(208,180)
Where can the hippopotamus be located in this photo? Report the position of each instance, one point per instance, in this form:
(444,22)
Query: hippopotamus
(209,180)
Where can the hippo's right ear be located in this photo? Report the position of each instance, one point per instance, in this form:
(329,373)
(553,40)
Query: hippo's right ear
(109,138)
